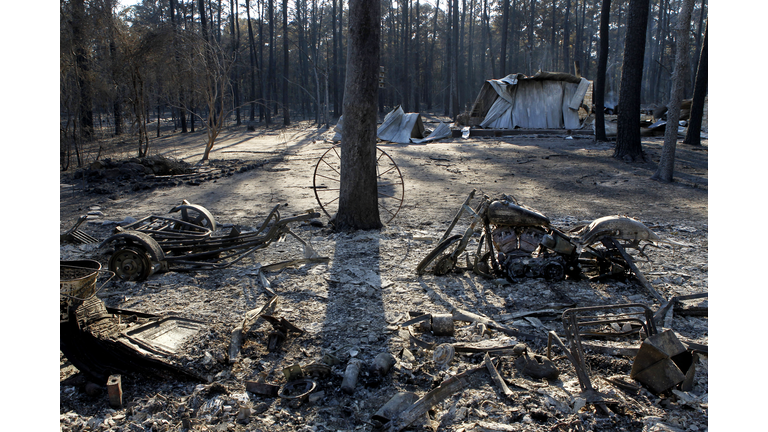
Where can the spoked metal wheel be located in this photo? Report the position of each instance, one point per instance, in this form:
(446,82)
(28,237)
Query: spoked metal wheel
(196,214)
(327,180)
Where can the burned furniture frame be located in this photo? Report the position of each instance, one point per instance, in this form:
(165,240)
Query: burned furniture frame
(576,318)
(74,235)
(156,244)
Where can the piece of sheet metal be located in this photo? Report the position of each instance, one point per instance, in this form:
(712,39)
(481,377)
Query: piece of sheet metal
(166,335)
(662,362)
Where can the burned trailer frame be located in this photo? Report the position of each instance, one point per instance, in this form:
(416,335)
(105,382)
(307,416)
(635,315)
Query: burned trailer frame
(156,245)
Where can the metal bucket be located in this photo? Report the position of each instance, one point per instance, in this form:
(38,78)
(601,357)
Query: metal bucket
(78,279)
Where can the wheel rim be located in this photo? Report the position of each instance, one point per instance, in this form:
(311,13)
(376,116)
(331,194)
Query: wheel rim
(199,216)
(130,264)
(326,183)
(437,251)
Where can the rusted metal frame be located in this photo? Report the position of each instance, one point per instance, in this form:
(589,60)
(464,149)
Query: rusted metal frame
(276,230)
(458,216)
(576,358)
(581,373)
(225,243)
(571,324)
(205,249)
(622,320)
(666,306)
(571,329)
(235,251)
(74,234)
(649,325)
(215,243)
(476,217)
(160,227)
(618,319)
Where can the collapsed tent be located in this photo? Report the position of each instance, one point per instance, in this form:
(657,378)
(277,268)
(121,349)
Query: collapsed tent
(403,128)
(399,126)
(547,100)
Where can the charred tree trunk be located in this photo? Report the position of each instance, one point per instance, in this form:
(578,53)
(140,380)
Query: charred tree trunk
(286,64)
(83,68)
(461,63)
(271,71)
(405,36)
(117,108)
(335,61)
(358,197)
(430,59)
(504,32)
(469,81)
(235,33)
(553,42)
(529,48)
(263,74)
(454,111)
(693,135)
(667,163)
(567,37)
(252,58)
(417,61)
(602,64)
(628,143)
(448,60)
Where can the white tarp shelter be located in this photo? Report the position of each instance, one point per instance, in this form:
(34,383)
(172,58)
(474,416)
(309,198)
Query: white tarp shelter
(403,128)
(547,100)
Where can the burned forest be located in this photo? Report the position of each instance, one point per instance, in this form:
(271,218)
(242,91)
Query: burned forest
(540,256)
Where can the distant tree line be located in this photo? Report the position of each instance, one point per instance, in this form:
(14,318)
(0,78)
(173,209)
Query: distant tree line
(268,62)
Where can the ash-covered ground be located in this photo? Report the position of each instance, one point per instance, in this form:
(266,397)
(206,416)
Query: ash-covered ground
(351,307)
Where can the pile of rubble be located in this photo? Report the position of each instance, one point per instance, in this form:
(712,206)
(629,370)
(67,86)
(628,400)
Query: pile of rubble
(361,342)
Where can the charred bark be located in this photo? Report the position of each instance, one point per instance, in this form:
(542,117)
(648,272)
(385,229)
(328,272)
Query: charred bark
(693,135)
(358,197)
(628,143)
(602,64)
(665,170)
